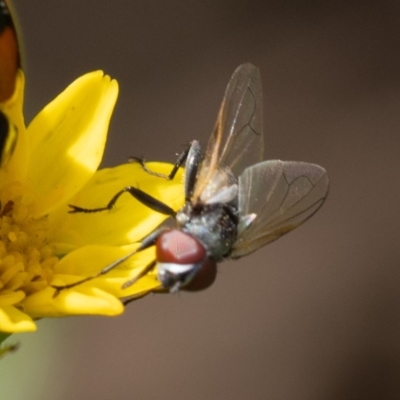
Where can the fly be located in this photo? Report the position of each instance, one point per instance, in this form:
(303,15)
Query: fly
(235,202)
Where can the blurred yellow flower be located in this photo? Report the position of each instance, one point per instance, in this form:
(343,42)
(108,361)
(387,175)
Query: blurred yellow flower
(54,164)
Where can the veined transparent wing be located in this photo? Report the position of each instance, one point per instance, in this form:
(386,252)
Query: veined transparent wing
(237,139)
(281,195)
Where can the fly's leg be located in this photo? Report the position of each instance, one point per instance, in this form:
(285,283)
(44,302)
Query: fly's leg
(192,166)
(141,274)
(147,242)
(192,158)
(129,299)
(179,162)
(140,195)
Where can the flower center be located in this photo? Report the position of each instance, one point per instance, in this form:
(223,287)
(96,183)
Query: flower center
(27,260)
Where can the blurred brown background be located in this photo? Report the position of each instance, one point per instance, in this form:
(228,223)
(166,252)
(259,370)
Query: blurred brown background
(315,315)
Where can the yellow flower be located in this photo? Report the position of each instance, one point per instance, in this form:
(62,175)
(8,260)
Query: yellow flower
(54,164)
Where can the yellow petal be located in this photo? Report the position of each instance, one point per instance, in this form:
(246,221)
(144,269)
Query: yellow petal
(97,296)
(12,298)
(133,268)
(16,168)
(14,320)
(130,220)
(67,140)
(149,283)
(83,300)
(88,260)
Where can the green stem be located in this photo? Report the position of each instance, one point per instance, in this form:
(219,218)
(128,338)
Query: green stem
(4,336)
(6,348)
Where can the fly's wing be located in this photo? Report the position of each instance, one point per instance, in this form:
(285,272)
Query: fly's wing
(237,140)
(280,196)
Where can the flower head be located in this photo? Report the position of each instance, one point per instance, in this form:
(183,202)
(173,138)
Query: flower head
(54,164)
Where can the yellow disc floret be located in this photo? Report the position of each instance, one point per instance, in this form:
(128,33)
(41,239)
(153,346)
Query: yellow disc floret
(27,260)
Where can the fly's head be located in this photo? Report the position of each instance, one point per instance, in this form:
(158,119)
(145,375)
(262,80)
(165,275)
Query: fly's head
(183,262)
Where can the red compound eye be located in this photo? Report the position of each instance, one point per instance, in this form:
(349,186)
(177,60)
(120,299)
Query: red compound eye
(178,247)
(204,278)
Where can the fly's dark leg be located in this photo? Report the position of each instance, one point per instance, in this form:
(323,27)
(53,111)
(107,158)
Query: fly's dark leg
(179,162)
(142,273)
(191,168)
(192,157)
(129,299)
(147,242)
(143,197)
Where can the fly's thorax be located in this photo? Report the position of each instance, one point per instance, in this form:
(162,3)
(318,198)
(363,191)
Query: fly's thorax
(183,215)
(214,225)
